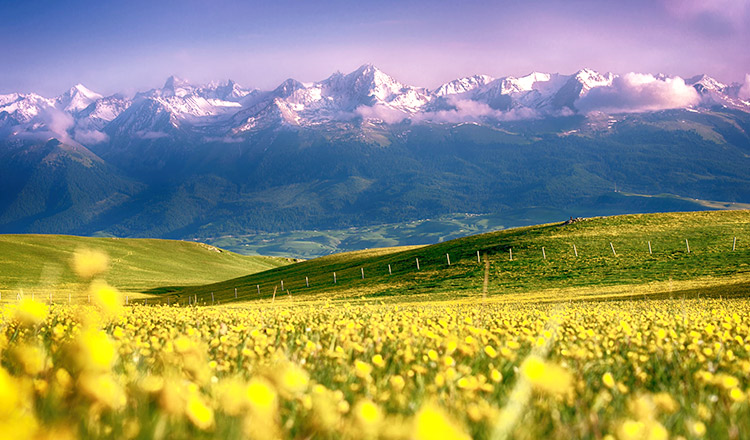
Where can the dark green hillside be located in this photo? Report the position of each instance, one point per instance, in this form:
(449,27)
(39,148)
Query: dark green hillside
(710,265)
(360,173)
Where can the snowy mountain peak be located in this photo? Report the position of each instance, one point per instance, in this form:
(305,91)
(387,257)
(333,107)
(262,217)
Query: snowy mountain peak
(590,79)
(370,81)
(77,98)
(513,85)
(176,86)
(230,91)
(463,85)
(85,91)
(288,87)
(704,83)
(175,82)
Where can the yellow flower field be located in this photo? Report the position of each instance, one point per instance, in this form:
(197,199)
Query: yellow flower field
(621,370)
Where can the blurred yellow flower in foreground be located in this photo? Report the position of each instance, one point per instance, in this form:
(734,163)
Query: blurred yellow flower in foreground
(108,299)
(31,312)
(88,263)
(368,413)
(431,423)
(95,350)
(103,389)
(199,413)
(261,395)
(546,377)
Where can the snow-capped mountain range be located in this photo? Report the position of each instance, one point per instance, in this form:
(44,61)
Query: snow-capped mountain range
(228,110)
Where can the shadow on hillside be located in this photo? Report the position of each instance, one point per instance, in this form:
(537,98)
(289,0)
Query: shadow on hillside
(725,291)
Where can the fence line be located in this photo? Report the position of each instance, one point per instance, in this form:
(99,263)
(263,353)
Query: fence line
(194,298)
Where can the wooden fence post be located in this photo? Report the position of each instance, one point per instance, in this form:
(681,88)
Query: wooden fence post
(235,293)
(362,269)
(478,260)
(486,276)
(649,247)
(544,254)
(613,249)
(258,286)
(687,245)
(734,243)
(389,270)
(334,278)
(282,285)
(511,253)
(448,257)
(307,282)
(417,263)
(212,298)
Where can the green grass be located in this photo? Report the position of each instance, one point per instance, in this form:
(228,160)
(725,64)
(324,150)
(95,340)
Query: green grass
(41,264)
(710,268)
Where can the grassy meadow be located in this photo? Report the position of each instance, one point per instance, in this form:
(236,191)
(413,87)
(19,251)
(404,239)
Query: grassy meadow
(630,346)
(41,264)
(544,265)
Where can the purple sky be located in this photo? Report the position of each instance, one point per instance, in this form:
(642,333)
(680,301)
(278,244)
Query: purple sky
(123,46)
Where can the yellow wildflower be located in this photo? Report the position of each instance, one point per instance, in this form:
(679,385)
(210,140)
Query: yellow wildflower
(608,380)
(378,361)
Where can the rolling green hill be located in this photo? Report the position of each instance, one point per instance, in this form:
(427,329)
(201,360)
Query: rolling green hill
(41,264)
(544,264)
(317,243)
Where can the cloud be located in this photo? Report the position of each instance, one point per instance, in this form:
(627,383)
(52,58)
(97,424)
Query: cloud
(50,123)
(467,110)
(224,139)
(58,122)
(637,92)
(385,114)
(90,137)
(143,134)
(745,89)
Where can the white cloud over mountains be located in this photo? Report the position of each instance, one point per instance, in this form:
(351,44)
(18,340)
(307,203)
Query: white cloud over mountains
(90,137)
(638,92)
(745,89)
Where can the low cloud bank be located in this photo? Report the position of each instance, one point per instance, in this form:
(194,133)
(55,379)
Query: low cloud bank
(90,137)
(638,92)
(381,112)
(745,89)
